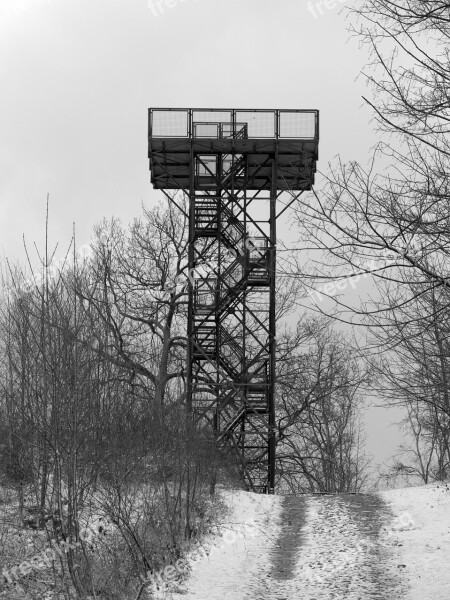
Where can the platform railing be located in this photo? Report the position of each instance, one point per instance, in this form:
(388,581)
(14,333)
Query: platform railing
(233,124)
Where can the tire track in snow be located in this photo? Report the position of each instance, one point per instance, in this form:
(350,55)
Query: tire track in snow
(332,548)
(284,557)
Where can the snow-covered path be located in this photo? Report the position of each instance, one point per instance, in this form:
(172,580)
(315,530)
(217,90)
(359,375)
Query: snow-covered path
(421,531)
(322,548)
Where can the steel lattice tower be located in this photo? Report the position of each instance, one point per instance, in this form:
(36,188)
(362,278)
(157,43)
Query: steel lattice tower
(234,165)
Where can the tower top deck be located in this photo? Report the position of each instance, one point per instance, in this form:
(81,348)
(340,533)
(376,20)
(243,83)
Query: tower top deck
(291,135)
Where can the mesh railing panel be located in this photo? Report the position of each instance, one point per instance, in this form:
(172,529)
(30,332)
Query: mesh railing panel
(170,123)
(260,124)
(206,130)
(297,125)
(212,116)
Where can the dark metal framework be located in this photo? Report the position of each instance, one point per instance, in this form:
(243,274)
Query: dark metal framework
(234,165)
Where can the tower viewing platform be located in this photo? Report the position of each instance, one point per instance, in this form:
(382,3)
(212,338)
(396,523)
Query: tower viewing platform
(293,135)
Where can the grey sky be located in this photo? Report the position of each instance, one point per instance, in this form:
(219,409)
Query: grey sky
(78,76)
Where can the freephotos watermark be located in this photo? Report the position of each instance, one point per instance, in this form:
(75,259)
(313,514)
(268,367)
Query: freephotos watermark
(159,582)
(317,8)
(387,259)
(42,560)
(159,7)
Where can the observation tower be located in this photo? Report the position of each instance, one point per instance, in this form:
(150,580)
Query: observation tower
(234,165)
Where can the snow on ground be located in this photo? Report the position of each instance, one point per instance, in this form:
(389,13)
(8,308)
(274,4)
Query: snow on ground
(389,546)
(341,556)
(422,531)
(240,552)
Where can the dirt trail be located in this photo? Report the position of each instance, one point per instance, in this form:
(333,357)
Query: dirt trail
(284,556)
(324,548)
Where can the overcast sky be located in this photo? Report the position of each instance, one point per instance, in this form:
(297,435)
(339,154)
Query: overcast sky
(77,78)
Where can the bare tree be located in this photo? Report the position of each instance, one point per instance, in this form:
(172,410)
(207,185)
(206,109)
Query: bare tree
(320,445)
(138,290)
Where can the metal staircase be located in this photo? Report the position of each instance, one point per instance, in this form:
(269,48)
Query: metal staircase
(227,332)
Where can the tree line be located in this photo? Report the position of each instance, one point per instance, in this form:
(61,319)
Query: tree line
(93,413)
(397,205)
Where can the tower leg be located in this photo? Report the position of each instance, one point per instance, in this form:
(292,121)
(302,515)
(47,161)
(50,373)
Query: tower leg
(272,327)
